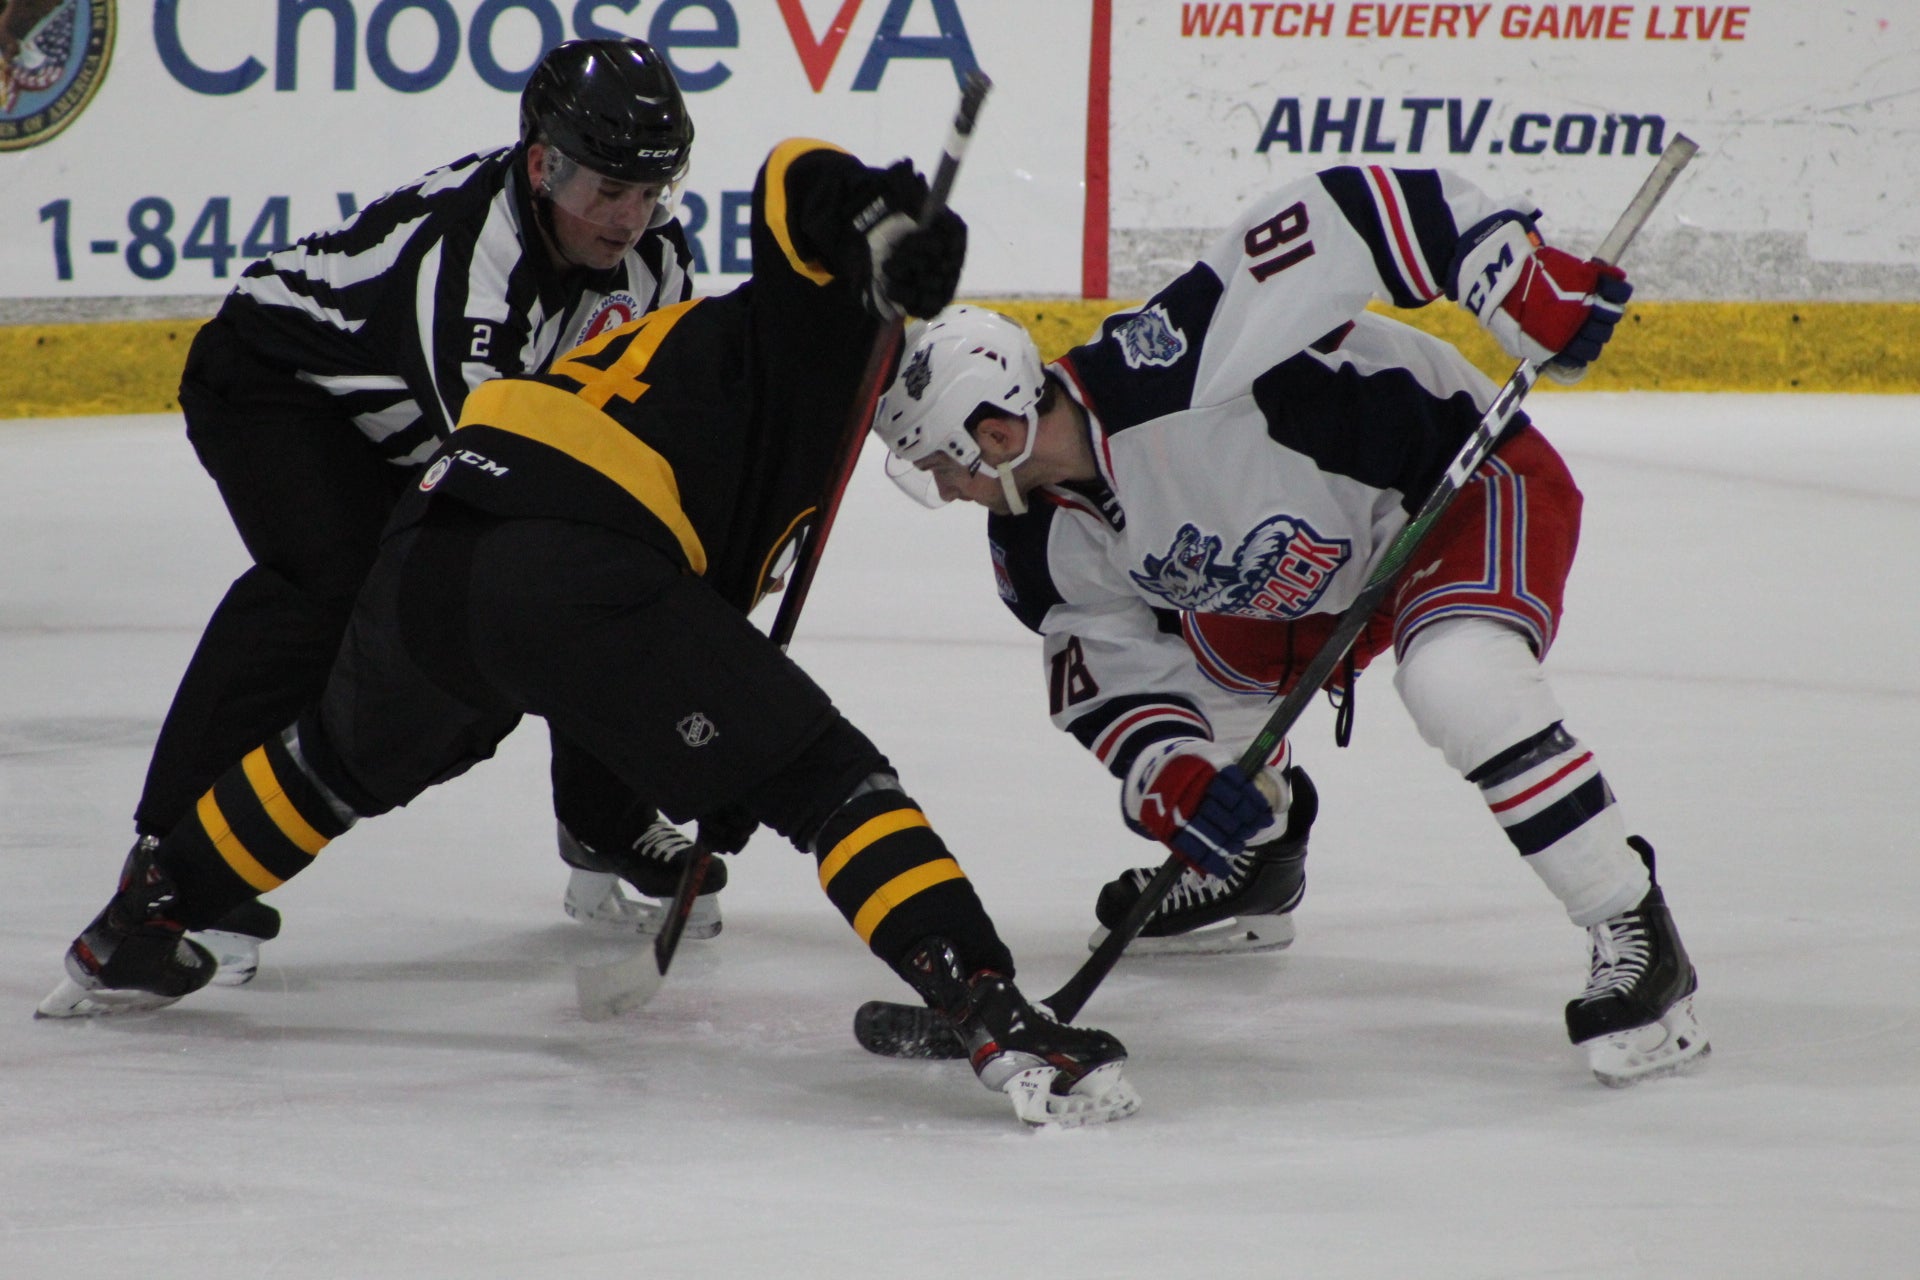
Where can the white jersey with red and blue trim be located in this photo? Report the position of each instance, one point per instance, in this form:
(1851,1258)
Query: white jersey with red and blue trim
(1260,438)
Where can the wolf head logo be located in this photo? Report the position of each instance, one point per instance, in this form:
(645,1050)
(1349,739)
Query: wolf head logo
(1189,576)
(1150,338)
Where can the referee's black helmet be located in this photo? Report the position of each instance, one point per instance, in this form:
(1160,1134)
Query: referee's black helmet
(611,105)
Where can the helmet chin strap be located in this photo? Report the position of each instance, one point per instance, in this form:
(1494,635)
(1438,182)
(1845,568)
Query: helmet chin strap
(543,214)
(1015,499)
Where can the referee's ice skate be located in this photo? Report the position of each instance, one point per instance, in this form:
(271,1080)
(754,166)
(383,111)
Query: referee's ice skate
(652,865)
(234,941)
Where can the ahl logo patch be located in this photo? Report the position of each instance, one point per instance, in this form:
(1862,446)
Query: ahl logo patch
(435,474)
(53,57)
(1150,338)
(1279,570)
(614,310)
(696,730)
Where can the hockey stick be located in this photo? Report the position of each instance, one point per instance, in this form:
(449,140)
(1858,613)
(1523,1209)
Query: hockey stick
(881,358)
(604,991)
(918,1032)
(609,990)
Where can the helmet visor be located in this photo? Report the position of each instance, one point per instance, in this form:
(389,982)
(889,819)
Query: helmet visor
(920,480)
(612,205)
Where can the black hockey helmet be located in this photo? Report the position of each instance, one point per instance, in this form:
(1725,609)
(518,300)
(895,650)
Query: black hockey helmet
(611,105)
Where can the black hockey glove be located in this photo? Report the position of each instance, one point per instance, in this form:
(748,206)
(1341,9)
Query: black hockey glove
(922,269)
(899,267)
(728,830)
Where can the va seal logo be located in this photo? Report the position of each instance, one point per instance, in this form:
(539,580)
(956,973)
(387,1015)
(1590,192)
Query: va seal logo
(1279,570)
(1150,339)
(696,730)
(53,56)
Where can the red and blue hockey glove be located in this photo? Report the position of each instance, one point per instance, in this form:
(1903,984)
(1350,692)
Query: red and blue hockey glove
(1190,796)
(1540,303)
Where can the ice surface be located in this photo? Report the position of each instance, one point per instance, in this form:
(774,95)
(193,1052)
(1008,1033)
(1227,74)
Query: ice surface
(408,1091)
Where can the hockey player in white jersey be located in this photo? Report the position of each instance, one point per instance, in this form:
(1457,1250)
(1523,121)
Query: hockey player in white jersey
(1202,489)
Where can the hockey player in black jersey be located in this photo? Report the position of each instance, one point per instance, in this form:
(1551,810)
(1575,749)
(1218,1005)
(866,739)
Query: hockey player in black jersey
(586,547)
(1184,505)
(337,367)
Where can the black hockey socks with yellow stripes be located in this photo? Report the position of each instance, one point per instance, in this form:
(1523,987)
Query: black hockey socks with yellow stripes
(261,824)
(892,877)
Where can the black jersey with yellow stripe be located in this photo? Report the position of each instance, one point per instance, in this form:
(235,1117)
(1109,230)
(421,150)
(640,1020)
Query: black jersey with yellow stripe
(710,428)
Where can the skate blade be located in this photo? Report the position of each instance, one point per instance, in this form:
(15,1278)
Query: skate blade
(71,1000)
(1226,937)
(622,915)
(1673,1046)
(1100,1096)
(237,954)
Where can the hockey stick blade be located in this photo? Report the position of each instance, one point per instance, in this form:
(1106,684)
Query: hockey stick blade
(1067,1002)
(905,1031)
(608,990)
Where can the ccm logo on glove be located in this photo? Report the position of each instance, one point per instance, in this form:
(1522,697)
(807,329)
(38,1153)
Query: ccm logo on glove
(1540,303)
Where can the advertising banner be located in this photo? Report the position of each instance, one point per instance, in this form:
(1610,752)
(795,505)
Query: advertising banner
(151,148)
(155,147)
(1805,111)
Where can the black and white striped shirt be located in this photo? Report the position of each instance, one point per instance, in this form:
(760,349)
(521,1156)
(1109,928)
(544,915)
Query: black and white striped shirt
(402,310)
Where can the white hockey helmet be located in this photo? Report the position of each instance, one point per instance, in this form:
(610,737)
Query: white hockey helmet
(964,362)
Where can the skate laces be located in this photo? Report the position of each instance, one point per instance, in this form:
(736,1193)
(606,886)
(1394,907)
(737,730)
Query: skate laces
(661,842)
(1195,888)
(1622,949)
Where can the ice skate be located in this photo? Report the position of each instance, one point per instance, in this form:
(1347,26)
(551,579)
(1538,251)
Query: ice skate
(234,941)
(1057,1076)
(594,895)
(134,956)
(1635,1019)
(1249,910)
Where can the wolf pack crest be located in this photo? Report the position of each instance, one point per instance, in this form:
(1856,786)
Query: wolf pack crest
(1279,570)
(1150,338)
(918,374)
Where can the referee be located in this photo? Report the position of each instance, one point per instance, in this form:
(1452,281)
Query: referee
(335,369)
